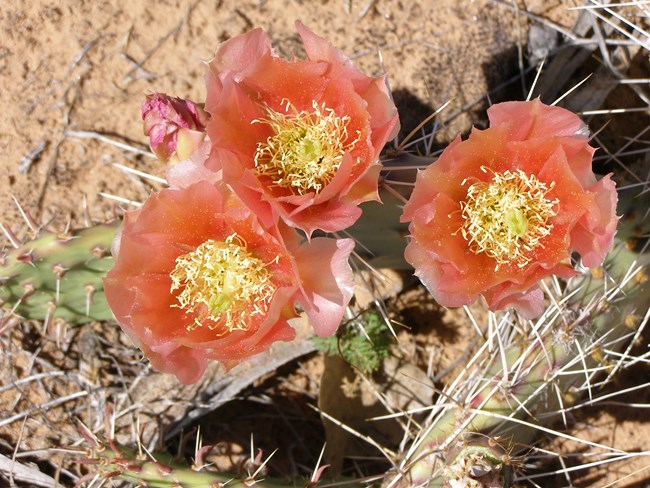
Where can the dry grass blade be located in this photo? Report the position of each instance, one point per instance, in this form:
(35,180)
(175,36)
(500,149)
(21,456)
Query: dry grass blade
(25,474)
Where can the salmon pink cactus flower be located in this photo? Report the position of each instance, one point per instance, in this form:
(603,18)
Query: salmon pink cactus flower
(505,208)
(175,126)
(197,278)
(297,139)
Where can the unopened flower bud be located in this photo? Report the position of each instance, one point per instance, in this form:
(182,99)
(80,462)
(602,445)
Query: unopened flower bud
(175,127)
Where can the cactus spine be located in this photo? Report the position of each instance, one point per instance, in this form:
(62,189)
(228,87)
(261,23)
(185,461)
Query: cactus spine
(59,277)
(527,380)
(161,470)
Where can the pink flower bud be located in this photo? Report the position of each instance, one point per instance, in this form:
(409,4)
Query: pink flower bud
(175,127)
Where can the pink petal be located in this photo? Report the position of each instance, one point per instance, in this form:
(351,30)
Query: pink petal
(331,217)
(319,49)
(433,273)
(529,120)
(327,281)
(594,234)
(186,363)
(239,54)
(384,119)
(529,303)
(192,170)
(365,189)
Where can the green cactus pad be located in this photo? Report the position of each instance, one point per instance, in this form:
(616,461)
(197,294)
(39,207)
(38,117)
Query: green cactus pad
(52,277)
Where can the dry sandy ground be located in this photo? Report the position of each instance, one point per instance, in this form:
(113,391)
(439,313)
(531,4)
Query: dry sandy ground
(85,66)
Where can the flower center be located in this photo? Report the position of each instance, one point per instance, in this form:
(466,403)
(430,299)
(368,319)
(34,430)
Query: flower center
(222,282)
(506,218)
(306,148)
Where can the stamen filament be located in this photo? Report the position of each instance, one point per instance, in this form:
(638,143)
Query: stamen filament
(305,150)
(508,217)
(222,282)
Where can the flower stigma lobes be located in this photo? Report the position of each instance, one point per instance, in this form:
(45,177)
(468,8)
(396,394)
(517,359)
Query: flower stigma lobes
(306,148)
(221,281)
(507,218)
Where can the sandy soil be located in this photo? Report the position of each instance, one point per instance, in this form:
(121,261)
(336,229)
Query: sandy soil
(77,66)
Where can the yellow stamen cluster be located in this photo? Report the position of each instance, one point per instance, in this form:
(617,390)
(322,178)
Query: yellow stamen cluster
(222,282)
(508,217)
(306,148)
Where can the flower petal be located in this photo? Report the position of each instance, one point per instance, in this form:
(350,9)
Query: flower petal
(593,236)
(139,289)
(243,95)
(327,281)
(533,119)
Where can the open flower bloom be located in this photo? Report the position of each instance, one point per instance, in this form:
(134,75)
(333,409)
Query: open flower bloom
(297,139)
(196,278)
(505,208)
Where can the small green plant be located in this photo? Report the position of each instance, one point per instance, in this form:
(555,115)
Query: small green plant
(363,342)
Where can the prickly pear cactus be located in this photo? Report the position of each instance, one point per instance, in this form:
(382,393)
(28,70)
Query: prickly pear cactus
(530,379)
(59,277)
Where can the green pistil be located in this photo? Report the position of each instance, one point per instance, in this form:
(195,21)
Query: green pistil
(222,282)
(305,150)
(517,223)
(508,217)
